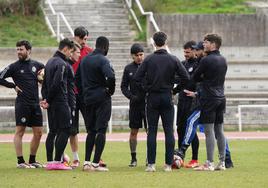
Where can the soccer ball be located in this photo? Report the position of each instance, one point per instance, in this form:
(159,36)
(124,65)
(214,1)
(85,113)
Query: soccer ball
(177,162)
(40,75)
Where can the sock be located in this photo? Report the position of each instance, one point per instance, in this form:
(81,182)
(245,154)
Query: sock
(133,156)
(32,159)
(75,156)
(20,159)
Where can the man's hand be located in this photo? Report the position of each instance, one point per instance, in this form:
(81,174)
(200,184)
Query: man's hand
(18,90)
(44,104)
(189,93)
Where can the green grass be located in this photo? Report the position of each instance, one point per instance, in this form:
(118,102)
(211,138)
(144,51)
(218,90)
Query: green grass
(32,28)
(198,6)
(250,159)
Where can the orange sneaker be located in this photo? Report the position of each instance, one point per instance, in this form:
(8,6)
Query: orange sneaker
(102,163)
(192,164)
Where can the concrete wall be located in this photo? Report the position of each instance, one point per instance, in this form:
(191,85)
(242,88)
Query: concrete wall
(236,30)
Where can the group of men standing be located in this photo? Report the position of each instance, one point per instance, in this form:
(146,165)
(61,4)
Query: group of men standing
(78,78)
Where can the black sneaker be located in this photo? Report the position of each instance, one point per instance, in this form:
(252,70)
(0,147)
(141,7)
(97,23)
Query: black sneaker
(133,163)
(229,164)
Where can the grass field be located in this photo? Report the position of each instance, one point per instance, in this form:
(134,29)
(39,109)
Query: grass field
(250,159)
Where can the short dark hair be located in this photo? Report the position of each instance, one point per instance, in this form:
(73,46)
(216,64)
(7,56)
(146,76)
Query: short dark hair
(136,48)
(102,43)
(66,42)
(80,32)
(189,44)
(160,38)
(214,38)
(25,43)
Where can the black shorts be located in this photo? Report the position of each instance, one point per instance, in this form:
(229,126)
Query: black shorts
(212,111)
(59,116)
(28,115)
(136,116)
(98,115)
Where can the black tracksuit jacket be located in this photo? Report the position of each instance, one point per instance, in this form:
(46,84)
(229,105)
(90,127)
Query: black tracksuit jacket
(211,73)
(54,88)
(95,78)
(24,75)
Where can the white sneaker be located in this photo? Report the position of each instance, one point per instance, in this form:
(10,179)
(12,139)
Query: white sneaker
(98,168)
(150,168)
(25,165)
(167,168)
(208,166)
(220,166)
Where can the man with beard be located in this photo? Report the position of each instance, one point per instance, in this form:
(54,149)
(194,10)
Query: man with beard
(24,73)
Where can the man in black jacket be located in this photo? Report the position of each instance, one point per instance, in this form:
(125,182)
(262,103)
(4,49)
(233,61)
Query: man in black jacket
(136,97)
(24,73)
(96,80)
(56,99)
(211,75)
(158,70)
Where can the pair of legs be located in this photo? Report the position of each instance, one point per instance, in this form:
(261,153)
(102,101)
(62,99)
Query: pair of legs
(160,105)
(59,117)
(97,117)
(28,115)
(136,117)
(183,113)
(37,134)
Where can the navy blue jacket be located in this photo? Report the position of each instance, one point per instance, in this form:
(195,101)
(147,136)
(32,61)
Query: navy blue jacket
(159,70)
(24,75)
(95,78)
(211,73)
(54,88)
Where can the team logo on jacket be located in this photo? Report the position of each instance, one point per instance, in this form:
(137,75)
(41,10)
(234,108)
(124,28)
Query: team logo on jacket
(23,119)
(130,74)
(22,71)
(190,69)
(34,69)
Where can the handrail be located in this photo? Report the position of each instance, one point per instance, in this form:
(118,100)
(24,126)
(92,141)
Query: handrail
(149,14)
(59,15)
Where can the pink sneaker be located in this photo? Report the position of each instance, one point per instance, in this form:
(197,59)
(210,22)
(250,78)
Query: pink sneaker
(58,166)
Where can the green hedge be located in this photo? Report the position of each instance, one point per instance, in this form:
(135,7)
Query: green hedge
(24,7)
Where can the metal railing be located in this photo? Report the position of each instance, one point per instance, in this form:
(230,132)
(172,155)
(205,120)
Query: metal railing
(247,106)
(149,15)
(61,16)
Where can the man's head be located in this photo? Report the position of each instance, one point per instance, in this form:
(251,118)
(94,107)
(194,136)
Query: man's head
(76,52)
(188,50)
(81,35)
(199,49)
(23,48)
(66,47)
(137,53)
(160,39)
(102,43)
(212,42)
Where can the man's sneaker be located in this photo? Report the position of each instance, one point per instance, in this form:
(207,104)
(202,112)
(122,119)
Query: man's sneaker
(133,163)
(87,166)
(37,165)
(100,168)
(229,164)
(192,164)
(102,163)
(220,166)
(75,164)
(24,165)
(208,166)
(167,168)
(150,168)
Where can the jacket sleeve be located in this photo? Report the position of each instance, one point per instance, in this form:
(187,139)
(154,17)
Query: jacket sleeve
(70,87)
(182,74)
(139,76)
(77,80)
(109,75)
(7,72)
(125,84)
(56,81)
(199,72)
(44,88)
